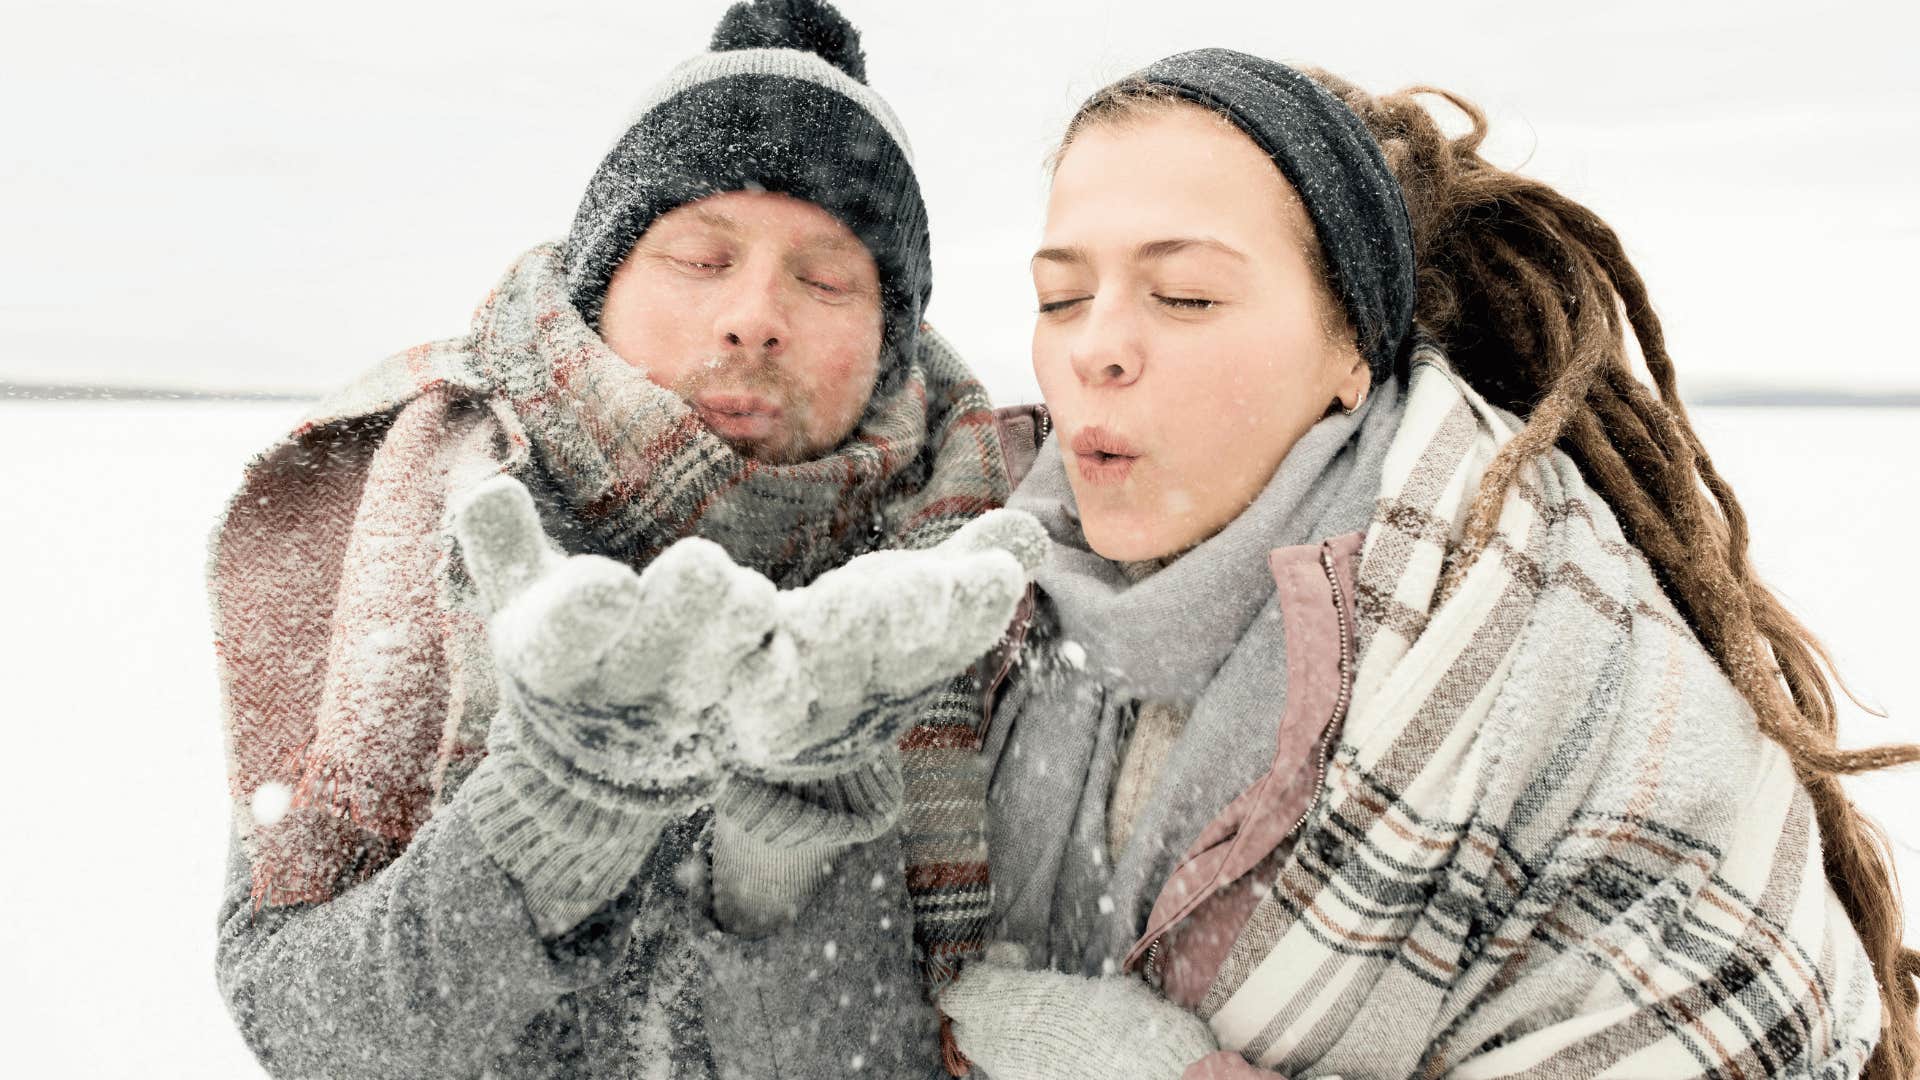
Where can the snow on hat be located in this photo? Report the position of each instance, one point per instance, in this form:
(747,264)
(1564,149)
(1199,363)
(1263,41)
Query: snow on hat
(1332,160)
(779,103)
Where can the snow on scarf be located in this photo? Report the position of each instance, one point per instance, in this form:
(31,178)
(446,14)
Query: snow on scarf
(355,673)
(1553,841)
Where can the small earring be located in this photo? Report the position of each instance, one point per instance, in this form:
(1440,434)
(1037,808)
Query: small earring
(1349,410)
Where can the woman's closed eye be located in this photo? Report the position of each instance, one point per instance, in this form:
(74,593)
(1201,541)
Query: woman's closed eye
(1185,303)
(1050,307)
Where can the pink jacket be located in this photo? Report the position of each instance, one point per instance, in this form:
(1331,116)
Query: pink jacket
(1222,876)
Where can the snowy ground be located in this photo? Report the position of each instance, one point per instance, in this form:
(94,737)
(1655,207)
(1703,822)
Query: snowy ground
(115,803)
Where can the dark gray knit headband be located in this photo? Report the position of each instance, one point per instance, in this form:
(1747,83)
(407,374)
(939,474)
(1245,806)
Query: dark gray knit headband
(1330,158)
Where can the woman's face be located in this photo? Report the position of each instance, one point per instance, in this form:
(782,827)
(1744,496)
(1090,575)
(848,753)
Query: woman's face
(1185,340)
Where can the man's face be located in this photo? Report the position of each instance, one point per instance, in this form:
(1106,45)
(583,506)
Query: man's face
(762,311)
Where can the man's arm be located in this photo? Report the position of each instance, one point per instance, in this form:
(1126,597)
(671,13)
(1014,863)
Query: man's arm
(430,967)
(622,696)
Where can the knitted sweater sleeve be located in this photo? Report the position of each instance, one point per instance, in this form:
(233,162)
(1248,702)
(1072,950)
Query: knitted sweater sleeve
(509,898)
(430,967)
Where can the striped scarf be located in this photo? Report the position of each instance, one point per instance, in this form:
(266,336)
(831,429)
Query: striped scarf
(1553,841)
(355,668)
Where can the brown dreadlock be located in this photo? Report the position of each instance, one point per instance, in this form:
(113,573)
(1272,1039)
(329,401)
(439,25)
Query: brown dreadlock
(1530,293)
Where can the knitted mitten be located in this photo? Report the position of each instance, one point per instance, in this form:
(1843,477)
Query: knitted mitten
(607,684)
(639,685)
(626,697)
(856,657)
(855,654)
(1042,1025)
(775,841)
(613,676)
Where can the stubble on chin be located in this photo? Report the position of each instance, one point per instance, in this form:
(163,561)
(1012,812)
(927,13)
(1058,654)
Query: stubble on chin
(784,448)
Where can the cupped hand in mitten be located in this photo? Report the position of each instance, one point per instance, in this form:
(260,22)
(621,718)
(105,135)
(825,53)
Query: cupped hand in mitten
(1017,1024)
(855,655)
(654,679)
(612,676)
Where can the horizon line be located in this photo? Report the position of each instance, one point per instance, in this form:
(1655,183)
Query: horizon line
(1726,396)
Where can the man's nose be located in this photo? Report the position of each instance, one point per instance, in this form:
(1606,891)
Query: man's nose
(753,315)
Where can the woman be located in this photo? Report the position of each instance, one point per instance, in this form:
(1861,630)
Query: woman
(1399,672)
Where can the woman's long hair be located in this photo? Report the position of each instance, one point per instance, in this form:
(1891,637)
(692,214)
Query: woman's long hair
(1530,294)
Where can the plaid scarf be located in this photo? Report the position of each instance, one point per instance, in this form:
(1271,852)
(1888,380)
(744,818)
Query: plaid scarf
(355,671)
(1553,840)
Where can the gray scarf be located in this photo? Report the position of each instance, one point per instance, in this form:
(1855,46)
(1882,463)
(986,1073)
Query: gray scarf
(1205,631)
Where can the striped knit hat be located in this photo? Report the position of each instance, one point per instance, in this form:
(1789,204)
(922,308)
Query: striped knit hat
(780,103)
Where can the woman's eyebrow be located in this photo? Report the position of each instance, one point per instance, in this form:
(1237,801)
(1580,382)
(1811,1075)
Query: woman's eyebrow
(1160,249)
(1152,249)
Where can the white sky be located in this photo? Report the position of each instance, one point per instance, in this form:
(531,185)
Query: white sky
(243,195)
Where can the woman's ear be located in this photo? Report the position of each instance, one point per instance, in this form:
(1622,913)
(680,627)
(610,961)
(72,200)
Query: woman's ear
(1353,386)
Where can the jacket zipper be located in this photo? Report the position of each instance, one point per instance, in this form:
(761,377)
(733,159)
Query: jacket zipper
(1340,704)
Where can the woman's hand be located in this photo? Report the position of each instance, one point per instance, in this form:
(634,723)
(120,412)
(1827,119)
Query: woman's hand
(1042,1025)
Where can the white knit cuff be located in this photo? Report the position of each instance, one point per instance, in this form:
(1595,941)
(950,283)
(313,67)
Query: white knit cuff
(568,855)
(774,844)
(851,808)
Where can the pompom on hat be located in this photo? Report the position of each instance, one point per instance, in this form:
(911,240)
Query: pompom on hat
(779,103)
(793,24)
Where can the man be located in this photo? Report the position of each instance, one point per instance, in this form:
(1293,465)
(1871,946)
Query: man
(505,806)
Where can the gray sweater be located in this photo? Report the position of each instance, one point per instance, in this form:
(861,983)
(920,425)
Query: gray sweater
(434,967)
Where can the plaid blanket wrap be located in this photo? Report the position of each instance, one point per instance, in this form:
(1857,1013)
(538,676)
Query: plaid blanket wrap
(1553,842)
(354,667)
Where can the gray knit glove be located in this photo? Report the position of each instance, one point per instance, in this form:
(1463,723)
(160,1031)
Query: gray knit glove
(855,655)
(612,679)
(598,745)
(629,697)
(855,659)
(640,686)
(1017,1024)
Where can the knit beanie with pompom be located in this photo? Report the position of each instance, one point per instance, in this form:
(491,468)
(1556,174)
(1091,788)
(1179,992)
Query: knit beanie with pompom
(779,103)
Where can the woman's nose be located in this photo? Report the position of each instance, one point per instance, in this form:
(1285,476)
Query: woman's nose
(1108,350)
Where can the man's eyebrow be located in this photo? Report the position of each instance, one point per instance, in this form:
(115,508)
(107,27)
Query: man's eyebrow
(829,242)
(707,215)
(832,242)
